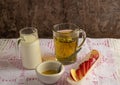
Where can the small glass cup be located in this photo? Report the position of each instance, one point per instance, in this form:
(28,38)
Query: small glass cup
(66,36)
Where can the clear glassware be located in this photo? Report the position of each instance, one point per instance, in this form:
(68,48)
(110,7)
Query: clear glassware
(66,37)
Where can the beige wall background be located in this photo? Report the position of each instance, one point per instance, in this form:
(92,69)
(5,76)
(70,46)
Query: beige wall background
(99,18)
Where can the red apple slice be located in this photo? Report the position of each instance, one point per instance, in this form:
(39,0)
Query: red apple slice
(84,68)
(87,65)
(81,67)
(74,75)
(94,54)
(79,73)
(92,61)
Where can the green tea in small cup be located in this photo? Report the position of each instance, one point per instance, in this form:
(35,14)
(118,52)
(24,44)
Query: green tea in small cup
(66,38)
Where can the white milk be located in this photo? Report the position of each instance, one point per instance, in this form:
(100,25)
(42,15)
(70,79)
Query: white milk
(30,52)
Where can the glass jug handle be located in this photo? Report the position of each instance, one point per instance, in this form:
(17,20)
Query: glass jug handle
(18,47)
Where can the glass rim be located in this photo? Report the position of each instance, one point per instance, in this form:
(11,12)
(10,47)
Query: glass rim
(71,24)
(28,28)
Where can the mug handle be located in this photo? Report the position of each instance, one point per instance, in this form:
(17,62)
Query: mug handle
(83,38)
(80,46)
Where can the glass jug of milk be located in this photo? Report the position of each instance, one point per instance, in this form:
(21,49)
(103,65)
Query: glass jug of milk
(29,47)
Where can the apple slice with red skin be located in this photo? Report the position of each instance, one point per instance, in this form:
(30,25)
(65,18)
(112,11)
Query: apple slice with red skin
(79,73)
(91,61)
(94,54)
(74,75)
(87,65)
(82,68)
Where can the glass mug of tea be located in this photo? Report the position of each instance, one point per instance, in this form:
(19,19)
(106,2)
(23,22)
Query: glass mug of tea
(29,47)
(66,36)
